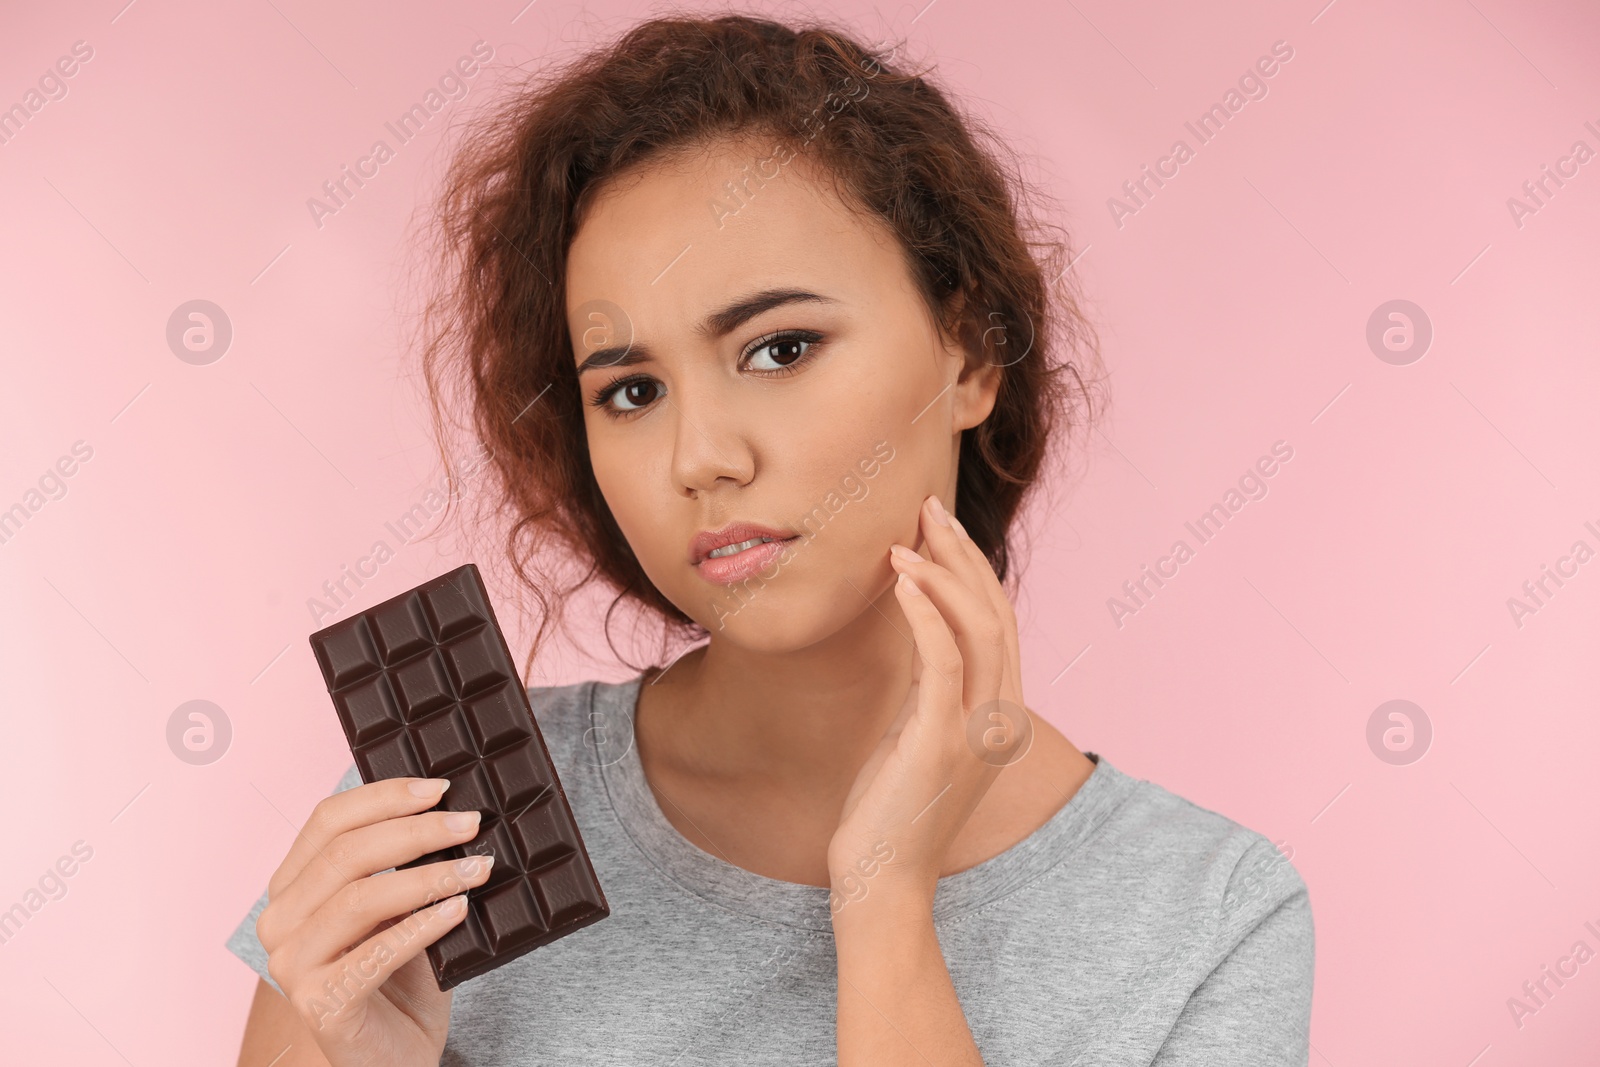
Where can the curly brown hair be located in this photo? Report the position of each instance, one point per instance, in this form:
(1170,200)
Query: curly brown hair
(515,194)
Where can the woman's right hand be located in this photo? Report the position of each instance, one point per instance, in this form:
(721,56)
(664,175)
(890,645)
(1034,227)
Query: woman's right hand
(342,941)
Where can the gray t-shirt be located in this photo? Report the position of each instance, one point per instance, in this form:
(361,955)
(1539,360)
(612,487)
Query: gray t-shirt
(1133,927)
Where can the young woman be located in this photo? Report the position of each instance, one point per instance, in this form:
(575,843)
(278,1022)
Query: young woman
(752,330)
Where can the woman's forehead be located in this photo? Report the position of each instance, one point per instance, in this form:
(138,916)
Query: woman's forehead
(682,236)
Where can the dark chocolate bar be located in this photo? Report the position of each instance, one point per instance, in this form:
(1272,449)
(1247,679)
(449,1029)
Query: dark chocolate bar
(425,687)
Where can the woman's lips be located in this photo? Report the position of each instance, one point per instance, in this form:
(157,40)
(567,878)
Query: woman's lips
(725,570)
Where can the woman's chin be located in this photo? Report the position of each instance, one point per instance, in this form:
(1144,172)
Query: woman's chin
(769,627)
(786,620)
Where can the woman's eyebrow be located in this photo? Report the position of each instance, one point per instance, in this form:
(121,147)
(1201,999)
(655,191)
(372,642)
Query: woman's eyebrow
(728,319)
(717,324)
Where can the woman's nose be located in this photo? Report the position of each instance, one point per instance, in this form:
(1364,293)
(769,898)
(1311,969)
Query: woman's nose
(710,441)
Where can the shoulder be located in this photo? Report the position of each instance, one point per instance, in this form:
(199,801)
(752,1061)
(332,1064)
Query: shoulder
(1193,859)
(1210,925)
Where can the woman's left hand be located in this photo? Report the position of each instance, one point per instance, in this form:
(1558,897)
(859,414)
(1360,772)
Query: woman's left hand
(962,721)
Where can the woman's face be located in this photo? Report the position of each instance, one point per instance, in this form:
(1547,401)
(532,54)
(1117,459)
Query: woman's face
(781,370)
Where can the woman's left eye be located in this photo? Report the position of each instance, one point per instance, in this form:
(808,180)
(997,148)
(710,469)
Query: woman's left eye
(786,350)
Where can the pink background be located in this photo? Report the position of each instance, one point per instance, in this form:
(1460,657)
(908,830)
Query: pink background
(1233,308)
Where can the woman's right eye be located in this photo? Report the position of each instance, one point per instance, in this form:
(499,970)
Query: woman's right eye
(629,394)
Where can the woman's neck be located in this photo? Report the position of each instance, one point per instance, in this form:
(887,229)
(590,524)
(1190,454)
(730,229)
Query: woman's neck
(751,755)
(796,722)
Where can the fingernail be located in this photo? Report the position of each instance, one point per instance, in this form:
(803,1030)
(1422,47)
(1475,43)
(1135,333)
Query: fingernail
(906,554)
(453,907)
(960,529)
(936,508)
(911,587)
(460,821)
(429,787)
(472,866)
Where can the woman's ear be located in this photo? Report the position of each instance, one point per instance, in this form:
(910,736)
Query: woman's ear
(977,381)
(976,390)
